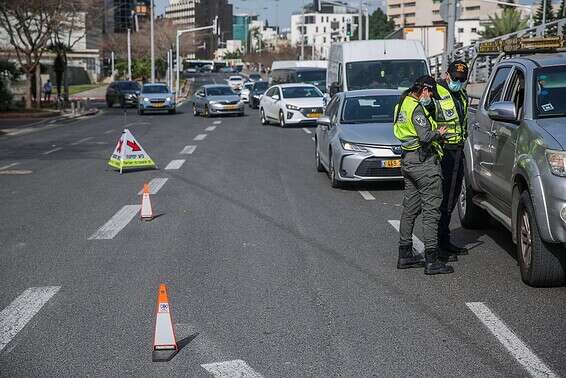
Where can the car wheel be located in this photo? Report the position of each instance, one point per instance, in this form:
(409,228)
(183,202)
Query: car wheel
(262,118)
(172,111)
(140,111)
(334,182)
(539,261)
(206,112)
(195,111)
(318,164)
(282,119)
(471,215)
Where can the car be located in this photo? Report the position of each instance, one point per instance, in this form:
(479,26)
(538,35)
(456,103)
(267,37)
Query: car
(354,140)
(254,77)
(258,90)
(515,162)
(213,99)
(308,75)
(291,104)
(207,68)
(124,93)
(235,82)
(228,69)
(156,97)
(245,93)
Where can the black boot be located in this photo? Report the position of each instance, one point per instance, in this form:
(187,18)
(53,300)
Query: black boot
(434,265)
(450,248)
(446,256)
(408,258)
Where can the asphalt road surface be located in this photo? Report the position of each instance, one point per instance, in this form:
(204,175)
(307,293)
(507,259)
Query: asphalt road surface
(270,271)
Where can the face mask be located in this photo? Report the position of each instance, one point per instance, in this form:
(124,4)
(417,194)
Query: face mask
(455,86)
(425,101)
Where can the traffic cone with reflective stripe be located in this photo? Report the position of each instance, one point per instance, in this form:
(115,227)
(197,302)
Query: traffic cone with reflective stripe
(164,341)
(146,210)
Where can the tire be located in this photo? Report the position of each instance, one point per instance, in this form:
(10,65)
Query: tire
(539,261)
(206,113)
(262,118)
(282,119)
(471,215)
(317,163)
(334,182)
(172,111)
(195,111)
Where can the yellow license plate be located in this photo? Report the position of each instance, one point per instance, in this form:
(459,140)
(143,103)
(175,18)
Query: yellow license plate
(392,163)
(231,107)
(314,115)
(158,104)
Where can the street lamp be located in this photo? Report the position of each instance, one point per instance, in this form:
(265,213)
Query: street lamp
(152,45)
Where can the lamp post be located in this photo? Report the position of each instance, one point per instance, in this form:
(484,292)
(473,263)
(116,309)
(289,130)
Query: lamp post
(152,44)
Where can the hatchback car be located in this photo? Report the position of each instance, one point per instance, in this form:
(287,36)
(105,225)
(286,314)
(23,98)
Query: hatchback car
(156,97)
(213,99)
(235,82)
(254,76)
(258,90)
(245,93)
(354,139)
(124,93)
(291,104)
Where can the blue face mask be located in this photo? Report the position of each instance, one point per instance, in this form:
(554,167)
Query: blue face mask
(455,86)
(425,101)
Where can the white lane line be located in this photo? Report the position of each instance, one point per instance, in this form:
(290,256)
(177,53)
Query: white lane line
(417,243)
(175,164)
(109,131)
(52,151)
(81,141)
(16,172)
(518,349)
(231,369)
(155,185)
(52,121)
(116,223)
(307,130)
(366,195)
(8,166)
(188,150)
(210,128)
(200,137)
(22,309)
(216,122)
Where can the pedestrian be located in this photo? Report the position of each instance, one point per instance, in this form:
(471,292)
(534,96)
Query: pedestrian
(420,165)
(47,89)
(452,112)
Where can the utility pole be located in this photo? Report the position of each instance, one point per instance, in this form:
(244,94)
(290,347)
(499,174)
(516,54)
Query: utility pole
(303,33)
(367,24)
(112,60)
(450,38)
(152,45)
(129,55)
(544,17)
(360,18)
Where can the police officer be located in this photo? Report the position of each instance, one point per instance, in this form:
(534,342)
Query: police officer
(452,112)
(420,136)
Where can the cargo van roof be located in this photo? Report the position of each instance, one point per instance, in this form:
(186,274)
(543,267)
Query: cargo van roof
(390,49)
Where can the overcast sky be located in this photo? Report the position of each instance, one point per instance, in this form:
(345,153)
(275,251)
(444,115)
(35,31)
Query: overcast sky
(279,11)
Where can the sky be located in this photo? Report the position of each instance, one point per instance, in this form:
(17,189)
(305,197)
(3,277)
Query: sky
(278,12)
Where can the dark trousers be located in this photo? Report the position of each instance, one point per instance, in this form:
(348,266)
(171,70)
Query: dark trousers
(452,166)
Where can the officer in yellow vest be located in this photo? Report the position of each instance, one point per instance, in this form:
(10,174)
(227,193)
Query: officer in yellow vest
(420,163)
(452,112)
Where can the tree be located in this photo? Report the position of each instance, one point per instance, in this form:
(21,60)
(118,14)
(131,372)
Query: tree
(379,25)
(509,21)
(549,14)
(232,54)
(29,25)
(8,73)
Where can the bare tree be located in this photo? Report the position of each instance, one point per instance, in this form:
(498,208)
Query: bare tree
(29,25)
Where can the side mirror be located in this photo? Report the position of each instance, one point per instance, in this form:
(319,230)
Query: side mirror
(334,88)
(275,97)
(503,111)
(324,122)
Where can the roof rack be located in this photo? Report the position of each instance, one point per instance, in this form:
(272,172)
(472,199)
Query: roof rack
(521,45)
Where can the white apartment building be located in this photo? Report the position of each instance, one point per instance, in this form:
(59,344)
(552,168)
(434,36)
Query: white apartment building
(262,36)
(181,12)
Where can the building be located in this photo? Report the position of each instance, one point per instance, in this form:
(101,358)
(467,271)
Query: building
(241,28)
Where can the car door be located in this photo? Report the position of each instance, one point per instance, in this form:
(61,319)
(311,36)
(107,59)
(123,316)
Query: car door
(200,99)
(266,101)
(324,132)
(482,128)
(504,139)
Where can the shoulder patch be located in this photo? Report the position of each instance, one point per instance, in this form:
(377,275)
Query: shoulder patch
(420,119)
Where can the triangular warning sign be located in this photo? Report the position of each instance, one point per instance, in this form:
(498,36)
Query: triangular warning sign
(129,154)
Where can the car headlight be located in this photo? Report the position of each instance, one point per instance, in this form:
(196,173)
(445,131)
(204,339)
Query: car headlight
(292,107)
(145,99)
(168,99)
(352,147)
(557,162)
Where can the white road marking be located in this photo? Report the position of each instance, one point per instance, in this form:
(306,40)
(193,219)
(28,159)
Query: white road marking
(109,131)
(210,128)
(175,164)
(366,195)
(16,172)
(8,166)
(81,141)
(231,369)
(22,309)
(518,349)
(155,185)
(200,137)
(188,150)
(52,121)
(52,151)
(116,223)
(307,130)
(417,243)
(216,122)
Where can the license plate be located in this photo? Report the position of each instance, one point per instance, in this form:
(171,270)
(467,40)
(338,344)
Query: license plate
(391,163)
(158,104)
(231,107)
(314,115)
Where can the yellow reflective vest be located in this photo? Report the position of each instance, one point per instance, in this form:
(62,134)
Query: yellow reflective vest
(447,115)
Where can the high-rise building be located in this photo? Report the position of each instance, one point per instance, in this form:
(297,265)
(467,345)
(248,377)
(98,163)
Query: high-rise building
(241,28)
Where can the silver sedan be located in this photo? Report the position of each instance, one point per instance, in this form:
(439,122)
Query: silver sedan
(354,139)
(215,99)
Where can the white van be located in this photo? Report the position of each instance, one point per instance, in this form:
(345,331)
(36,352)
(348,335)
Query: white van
(375,64)
(299,71)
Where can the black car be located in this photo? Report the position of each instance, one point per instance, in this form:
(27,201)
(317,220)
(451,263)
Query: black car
(258,89)
(124,93)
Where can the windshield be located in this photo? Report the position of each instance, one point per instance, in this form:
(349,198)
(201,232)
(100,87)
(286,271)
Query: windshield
(384,74)
(369,109)
(129,86)
(300,92)
(219,91)
(155,89)
(260,86)
(255,76)
(249,86)
(311,76)
(550,91)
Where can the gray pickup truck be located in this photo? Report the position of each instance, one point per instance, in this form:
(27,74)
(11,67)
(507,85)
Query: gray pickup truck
(515,166)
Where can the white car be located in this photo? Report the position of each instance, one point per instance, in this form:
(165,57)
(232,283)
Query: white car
(245,94)
(235,82)
(291,104)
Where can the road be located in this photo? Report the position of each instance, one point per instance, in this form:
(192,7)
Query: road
(271,272)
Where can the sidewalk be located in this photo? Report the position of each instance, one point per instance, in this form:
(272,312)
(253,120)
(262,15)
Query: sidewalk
(96,94)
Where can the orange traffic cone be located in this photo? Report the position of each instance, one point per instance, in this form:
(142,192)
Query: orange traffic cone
(164,341)
(146,210)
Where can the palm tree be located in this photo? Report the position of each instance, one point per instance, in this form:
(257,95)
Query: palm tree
(508,22)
